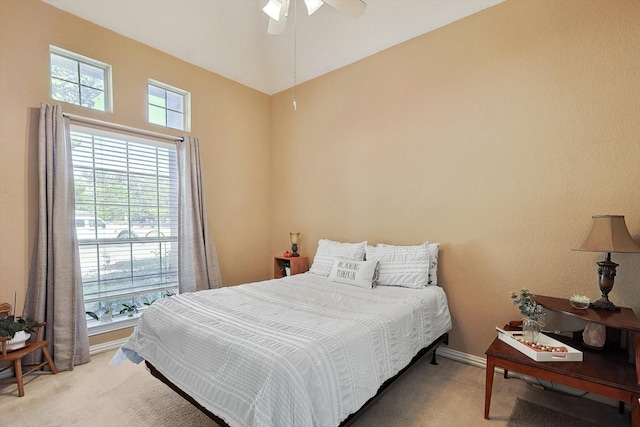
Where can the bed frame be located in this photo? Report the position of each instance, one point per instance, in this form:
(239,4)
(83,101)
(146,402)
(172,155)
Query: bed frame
(444,338)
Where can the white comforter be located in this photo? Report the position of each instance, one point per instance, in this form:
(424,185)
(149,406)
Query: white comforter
(298,351)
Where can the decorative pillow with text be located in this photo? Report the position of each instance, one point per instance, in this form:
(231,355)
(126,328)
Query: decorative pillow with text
(357,273)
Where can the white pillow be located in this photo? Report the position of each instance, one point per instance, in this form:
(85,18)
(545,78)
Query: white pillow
(433,259)
(328,251)
(406,266)
(434,248)
(356,273)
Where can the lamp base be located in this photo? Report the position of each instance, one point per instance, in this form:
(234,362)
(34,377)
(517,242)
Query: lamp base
(607,274)
(604,304)
(294,250)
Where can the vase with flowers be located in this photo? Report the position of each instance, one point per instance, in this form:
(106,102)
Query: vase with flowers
(532,313)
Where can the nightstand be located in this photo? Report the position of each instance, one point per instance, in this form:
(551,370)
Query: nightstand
(299,264)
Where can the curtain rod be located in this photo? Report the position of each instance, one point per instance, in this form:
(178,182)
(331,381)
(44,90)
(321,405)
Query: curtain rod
(129,129)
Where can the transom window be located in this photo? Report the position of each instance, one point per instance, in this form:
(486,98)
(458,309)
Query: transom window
(168,106)
(79,80)
(126,192)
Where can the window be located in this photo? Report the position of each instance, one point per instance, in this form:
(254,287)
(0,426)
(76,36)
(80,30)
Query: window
(168,106)
(126,218)
(79,80)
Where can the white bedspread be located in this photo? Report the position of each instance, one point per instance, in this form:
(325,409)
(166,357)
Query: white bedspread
(298,351)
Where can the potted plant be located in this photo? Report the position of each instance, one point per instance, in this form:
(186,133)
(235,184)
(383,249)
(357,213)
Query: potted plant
(284,266)
(17,330)
(129,309)
(164,294)
(103,315)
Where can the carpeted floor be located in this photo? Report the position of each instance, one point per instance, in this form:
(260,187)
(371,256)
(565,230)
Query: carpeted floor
(528,414)
(449,394)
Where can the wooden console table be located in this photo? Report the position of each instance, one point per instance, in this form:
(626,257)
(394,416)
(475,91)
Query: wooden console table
(606,372)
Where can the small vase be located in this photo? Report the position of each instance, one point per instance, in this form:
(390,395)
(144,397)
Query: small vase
(531,330)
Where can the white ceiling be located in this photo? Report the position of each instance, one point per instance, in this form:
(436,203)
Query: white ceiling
(229,37)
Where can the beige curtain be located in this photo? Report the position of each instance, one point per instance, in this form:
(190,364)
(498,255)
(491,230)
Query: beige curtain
(198,267)
(55,293)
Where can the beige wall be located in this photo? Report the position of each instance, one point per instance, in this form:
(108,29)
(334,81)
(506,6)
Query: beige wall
(499,136)
(231,121)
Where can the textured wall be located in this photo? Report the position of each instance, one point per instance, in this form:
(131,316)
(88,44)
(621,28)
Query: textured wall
(499,136)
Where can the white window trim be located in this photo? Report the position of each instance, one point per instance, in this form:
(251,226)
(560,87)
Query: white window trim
(187,104)
(106,129)
(108,92)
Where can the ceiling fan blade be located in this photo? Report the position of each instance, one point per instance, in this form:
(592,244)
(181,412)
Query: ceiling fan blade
(313,5)
(277,26)
(353,8)
(273,9)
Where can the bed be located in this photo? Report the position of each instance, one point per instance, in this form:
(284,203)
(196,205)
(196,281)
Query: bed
(297,351)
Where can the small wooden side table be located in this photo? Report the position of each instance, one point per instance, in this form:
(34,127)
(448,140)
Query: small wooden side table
(299,264)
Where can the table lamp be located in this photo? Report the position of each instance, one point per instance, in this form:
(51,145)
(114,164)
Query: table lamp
(608,234)
(295,237)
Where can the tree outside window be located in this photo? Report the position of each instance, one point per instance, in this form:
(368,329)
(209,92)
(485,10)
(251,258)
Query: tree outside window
(79,80)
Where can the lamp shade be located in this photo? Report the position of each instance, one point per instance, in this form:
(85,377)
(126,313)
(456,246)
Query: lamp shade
(609,234)
(295,237)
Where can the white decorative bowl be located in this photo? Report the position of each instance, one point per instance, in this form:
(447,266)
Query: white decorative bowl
(19,340)
(579,301)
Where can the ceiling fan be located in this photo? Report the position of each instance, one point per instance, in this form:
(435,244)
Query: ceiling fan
(278,10)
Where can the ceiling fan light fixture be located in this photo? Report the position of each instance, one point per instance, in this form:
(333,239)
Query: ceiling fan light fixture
(273,9)
(277,26)
(313,5)
(278,11)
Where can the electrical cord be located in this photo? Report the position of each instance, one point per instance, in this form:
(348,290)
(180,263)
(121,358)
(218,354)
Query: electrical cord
(546,387)
(555,390)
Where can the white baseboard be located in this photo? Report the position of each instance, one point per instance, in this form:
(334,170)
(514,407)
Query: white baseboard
(106,346)
(459,356)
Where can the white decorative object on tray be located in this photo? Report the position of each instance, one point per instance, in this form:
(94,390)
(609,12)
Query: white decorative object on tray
(562,353)
(594,335)
(19,340)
